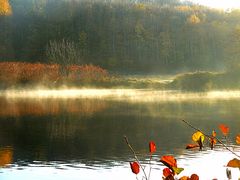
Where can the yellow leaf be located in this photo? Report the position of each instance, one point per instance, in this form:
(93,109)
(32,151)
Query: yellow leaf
(235,163)
(197,136)
(177,170)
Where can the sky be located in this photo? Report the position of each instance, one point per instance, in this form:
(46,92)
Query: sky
(219,4)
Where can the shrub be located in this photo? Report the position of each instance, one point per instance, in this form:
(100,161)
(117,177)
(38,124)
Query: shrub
(14,73)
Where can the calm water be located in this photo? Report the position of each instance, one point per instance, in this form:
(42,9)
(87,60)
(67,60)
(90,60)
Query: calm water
(81,137)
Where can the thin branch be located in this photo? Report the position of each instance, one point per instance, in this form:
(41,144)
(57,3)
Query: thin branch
(224,145)
(135,156)
(150,164)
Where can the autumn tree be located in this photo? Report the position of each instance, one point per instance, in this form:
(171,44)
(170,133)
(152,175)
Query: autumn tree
(5,8)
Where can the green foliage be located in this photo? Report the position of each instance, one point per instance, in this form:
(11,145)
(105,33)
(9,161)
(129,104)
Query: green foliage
(198,81)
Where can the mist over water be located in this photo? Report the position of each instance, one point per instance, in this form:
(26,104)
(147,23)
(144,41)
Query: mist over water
(143,95)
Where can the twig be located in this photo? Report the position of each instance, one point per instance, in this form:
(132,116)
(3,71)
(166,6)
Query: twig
(224,145)
(135,156)
(150,160)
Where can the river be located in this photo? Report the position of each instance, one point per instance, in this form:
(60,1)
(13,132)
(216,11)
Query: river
(78,134)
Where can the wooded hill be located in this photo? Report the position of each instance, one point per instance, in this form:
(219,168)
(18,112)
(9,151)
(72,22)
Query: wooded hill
(144,36)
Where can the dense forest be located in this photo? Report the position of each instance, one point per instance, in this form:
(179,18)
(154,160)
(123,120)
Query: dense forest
(140,36)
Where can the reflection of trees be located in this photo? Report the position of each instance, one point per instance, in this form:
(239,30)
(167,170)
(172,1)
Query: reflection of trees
(6,156)
(40,107)
(90,130)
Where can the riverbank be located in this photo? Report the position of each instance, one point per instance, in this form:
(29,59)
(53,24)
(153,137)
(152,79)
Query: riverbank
(20,75)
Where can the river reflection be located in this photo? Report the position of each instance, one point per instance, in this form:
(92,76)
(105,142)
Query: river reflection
(83,138)
(6,156)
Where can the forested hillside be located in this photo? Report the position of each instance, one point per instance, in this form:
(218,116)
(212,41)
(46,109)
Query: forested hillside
(160,36)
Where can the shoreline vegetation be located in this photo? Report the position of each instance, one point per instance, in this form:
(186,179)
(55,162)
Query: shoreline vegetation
(27,75)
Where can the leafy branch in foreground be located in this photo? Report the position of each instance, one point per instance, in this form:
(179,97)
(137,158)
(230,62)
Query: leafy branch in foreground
(213,139)
(169,161)
(171,169)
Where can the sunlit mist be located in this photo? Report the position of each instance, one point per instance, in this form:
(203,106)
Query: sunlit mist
(219,4)
(120,94)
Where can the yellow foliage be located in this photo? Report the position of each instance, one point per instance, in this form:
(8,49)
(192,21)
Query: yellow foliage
(197,136)
(141,6)
(5,8)
(193,19)
(183,8)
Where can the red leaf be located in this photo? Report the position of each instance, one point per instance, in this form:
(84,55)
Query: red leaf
(135,167)
(167,172)
(169,161)
(194,177)
(191,146)
(224,129)
(152,147)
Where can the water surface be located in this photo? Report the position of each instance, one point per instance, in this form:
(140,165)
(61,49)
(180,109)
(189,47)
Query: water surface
(81,136)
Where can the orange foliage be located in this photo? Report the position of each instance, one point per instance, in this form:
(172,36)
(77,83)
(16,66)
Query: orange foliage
(5,8)
(238,139)
(191,146)
(169,161)
(86,73)
(224,129)
(6,156)
(213,139)
(234,163)
(20,72)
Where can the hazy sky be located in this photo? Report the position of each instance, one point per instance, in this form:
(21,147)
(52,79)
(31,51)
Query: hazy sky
(222,4)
